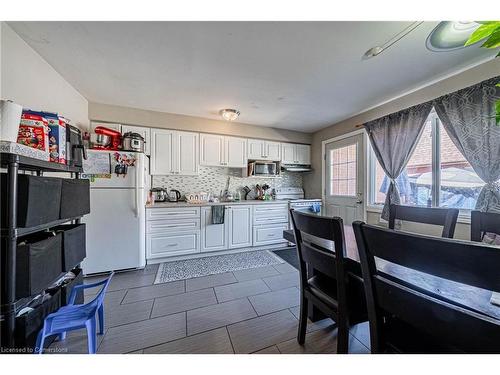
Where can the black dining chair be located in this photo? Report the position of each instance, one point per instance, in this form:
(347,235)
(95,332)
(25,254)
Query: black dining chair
(445,217)
(425,311)
(326,289)
(483,222)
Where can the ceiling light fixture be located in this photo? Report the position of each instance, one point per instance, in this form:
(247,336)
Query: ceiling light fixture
(450,35)
(229,114)
(377,50)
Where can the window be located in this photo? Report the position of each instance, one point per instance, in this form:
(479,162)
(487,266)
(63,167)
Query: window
(437,174)
(343,163)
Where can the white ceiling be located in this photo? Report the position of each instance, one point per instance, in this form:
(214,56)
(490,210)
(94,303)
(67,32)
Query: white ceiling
(292,75)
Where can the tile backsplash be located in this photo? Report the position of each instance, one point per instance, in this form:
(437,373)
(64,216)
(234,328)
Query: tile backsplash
(213,180)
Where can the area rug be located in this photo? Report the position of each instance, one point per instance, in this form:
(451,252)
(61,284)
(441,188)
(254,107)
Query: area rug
(211,265)
(289,255)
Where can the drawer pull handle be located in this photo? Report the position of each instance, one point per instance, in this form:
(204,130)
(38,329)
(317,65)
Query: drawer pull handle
(271,235)
(171,245)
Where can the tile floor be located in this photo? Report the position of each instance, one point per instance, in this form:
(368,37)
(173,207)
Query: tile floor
(248,311)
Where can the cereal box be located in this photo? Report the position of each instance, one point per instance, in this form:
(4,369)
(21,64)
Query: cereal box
(57,137)
(33,131)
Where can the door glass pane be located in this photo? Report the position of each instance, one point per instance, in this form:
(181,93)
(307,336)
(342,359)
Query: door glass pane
(343,171)
(460,185)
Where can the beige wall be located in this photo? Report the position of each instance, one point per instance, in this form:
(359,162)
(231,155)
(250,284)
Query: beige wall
(312,181)
(133,116)
(29,80)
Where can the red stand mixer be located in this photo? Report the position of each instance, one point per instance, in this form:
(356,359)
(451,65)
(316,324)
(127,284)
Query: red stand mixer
(106,139)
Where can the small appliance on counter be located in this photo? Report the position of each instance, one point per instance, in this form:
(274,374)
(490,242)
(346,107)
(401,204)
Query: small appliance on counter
(159,194)
(75,151)
(133,142)
(174,196)
(106,139)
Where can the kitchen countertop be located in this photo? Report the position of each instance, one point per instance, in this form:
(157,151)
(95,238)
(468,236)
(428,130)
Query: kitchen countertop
(185,204)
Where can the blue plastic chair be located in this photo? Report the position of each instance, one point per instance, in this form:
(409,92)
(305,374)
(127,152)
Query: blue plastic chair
(72,317)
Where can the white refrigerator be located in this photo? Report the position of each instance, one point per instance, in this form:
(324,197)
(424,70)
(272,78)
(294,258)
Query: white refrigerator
(116,224)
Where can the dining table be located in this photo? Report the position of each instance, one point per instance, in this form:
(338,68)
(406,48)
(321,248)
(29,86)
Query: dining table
(459,294)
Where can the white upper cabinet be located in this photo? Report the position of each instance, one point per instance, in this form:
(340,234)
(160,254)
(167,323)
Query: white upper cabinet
(263,150)
(303,154)
(295,154)
(161,151)
(236,152)
(220,151)
(145,132)
(273,151)
(174,153)
(288,153)
(211,150)
(256,149)
(187,145)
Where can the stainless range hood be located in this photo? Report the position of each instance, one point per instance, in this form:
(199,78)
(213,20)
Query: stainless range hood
(296,167)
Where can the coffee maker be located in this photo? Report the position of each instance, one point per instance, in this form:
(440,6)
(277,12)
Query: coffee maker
(75,152)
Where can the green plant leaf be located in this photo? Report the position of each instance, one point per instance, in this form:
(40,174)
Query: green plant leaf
(497,108)
(493,41)
(483,31)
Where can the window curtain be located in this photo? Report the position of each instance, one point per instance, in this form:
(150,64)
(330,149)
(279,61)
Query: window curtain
(468,118)
(394,138)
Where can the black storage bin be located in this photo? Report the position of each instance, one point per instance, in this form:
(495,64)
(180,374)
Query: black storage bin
(75,198)
(73,248)
(38,200)
(38,263)
(67,288)
(28,325)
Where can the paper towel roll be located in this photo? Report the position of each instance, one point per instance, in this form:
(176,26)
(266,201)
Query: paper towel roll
(10,117)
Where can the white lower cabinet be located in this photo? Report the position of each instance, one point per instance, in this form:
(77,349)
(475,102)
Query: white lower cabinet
(268,234)
(213,236)
(180,231)
(172,232)
(239,219)
(171,244)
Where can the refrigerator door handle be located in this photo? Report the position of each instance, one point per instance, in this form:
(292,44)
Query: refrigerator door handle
(136,208)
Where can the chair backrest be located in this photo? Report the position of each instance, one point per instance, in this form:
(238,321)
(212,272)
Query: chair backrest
(99,298)
(323,258)
(483,222)
(446,217)
(452,324)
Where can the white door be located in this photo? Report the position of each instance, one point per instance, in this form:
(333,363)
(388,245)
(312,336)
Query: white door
(187,148)
(344,178)
(273,151)
(114,235)
(145,132)
(239,226)
(211,150)
(213,236)
(303,154)
(256,149)
(236,152)
(288,153)
(161,151)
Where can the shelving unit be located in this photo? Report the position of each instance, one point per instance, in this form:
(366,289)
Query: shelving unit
(10,233)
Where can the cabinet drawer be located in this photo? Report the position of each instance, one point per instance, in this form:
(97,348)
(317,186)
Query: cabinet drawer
(173,213)
(268,234)
(162,226)
(159,246)
(266,214)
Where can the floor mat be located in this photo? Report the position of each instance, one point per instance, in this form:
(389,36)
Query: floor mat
(289,255)
(189,268)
